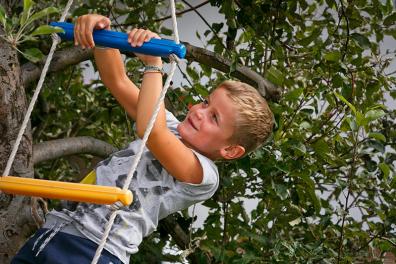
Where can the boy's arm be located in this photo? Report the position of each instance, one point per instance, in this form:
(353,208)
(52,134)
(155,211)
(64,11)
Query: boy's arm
(109,62)
(112,73)
(175,157)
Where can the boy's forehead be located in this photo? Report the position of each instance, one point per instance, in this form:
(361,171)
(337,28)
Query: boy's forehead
(223,103)
(221,95)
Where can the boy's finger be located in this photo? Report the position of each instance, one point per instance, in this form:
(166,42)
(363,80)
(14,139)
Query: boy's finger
(136,37)
(104,23)
(131,34)
(76,30)
(142,37)
(89,35)
(81,32)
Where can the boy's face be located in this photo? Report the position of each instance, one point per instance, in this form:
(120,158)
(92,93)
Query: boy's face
(209,125)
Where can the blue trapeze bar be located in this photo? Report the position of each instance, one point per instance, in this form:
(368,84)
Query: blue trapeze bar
(119,40)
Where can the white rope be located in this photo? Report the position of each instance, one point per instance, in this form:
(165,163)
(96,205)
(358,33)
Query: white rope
(144,139)
(135,161)
(174,22)
(55,42)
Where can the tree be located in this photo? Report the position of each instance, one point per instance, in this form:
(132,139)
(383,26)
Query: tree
(323,185)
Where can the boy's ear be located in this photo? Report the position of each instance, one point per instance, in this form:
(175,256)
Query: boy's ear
(232,152)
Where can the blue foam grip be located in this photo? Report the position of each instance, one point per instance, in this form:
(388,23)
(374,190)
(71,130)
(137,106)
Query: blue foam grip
(119,40)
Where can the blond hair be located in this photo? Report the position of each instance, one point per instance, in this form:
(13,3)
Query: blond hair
(254,118)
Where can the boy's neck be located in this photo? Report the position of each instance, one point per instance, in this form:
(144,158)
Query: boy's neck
(211,157)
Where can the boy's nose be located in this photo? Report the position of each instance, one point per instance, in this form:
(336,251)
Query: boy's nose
(199,113)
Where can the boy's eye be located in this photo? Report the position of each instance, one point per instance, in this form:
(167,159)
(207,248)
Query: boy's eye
(214,117)
(205,102)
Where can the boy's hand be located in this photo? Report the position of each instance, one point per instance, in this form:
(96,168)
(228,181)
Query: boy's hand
(137,37)
(84,27)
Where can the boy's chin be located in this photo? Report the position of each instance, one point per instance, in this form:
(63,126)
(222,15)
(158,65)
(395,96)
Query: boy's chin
(183,129)
(184,135)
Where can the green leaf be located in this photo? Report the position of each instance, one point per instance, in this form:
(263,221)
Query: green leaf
(294,94)
(352,123)
(166,31)
(3,16)
(27,6)
(321,148)
(377,136)
(281,190)
(361,40)
(45,30)
(192,73)
(390,20)
(313,36)
(332,56)
(316,202)
(385,169)
(201,90)
(45,12)
(217,26)
(372,115)
(299,148)
(33,54)
(359,119)
(275,76)
(342,98)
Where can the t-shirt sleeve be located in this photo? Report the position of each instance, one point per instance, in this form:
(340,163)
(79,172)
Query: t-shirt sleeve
(171,122)
(210,181)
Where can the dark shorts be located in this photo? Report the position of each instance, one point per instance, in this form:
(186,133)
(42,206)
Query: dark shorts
(63,248)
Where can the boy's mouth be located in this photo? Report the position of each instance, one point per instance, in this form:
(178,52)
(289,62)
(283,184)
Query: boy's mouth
(191,123)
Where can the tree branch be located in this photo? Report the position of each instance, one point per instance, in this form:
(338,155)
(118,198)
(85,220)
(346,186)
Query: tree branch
(243,73)
(70,56)
(61,60)
(176,231)
(54,149)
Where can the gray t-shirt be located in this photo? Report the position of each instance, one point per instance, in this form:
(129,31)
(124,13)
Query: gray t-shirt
(156,195)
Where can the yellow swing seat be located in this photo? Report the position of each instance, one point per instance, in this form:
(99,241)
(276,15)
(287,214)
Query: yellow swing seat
(80,192)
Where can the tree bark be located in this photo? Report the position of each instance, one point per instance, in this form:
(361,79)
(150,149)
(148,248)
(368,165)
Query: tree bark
(16,222)
(49,150)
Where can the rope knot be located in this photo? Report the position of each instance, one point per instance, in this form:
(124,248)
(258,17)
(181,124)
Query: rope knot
(174,58)
(56,38)
(116,206)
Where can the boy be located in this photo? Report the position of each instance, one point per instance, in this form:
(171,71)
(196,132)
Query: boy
(176,171)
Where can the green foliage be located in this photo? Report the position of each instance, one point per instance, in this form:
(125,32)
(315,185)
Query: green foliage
(20,28)
(323,188)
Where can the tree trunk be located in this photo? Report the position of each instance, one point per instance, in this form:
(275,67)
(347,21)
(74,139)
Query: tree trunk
(16,221)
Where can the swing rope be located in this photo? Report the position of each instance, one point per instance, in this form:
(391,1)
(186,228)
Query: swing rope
(55,41)
(150,126)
